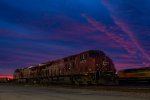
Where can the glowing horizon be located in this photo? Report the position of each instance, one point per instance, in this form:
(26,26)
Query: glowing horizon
(10,76)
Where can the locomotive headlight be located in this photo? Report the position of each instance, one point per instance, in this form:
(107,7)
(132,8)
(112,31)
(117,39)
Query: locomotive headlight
(97,64)
(90,69)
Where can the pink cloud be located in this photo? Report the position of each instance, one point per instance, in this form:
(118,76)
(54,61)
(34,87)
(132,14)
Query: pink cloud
(8,62)
(132,36)
(125,27)
(111,34)
(9,33)
(121,66)
(125,56)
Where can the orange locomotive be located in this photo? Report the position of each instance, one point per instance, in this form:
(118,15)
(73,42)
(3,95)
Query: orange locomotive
(90,67)
(135,75)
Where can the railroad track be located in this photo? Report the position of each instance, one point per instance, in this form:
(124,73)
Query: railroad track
(132,87)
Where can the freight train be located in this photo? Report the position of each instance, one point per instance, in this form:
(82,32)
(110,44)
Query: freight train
(134,75)
(89,67)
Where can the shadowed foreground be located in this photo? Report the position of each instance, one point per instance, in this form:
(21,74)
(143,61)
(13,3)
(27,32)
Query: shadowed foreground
(59,93)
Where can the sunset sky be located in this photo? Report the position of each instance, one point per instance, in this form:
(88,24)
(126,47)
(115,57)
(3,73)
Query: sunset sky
(36,31)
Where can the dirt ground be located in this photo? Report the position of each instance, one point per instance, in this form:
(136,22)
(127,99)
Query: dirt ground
(14,92)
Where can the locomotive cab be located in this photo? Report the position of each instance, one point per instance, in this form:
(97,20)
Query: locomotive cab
(96,68)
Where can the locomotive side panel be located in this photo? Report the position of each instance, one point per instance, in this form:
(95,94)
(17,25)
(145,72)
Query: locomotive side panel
(85,64)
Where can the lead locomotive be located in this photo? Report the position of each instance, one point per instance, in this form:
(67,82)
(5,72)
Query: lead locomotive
(90,67)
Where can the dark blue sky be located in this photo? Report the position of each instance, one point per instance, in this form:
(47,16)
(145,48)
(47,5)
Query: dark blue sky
(36,31)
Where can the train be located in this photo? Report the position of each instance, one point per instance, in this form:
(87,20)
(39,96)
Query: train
(5,80)
(134,75)
(88,67)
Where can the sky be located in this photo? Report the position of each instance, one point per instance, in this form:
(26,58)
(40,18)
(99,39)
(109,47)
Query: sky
(37,31)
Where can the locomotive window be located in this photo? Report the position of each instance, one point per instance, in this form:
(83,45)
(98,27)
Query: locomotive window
(84,56)
(17,70)
(65,59)
(81,57)
(72,58)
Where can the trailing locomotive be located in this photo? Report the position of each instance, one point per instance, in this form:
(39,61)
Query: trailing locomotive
(134,75)
(90,67)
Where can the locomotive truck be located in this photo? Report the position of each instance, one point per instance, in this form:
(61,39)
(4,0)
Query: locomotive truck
(89,67)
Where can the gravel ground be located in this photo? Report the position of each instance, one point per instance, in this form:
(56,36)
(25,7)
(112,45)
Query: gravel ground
(13,92)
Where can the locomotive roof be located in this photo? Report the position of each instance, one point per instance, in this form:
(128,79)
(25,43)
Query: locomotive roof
(92,51)
(76,55)
(87,52)
(61,59)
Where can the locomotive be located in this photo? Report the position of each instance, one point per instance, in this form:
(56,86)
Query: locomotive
(134,75)
(89,67)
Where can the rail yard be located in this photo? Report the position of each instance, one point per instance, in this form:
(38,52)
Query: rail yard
(16,92)
(89,75)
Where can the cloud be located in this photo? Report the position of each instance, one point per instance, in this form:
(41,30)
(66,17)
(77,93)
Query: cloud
(121,66)
(111,34)
(125,27)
